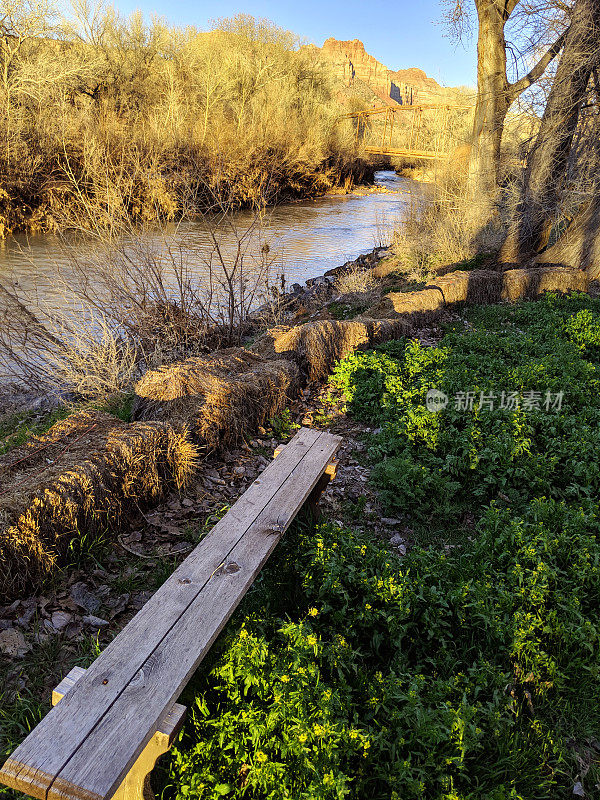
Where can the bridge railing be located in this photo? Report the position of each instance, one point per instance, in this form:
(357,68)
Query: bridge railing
(424,131)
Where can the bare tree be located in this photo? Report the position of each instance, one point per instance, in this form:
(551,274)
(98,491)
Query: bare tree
(495,92)
(21,21)
(547,164)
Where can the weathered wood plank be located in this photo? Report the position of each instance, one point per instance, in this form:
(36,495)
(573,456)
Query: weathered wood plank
(33,766)
(168,727)
(107,753)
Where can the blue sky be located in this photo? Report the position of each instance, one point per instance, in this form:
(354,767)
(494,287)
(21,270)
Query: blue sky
(399,33)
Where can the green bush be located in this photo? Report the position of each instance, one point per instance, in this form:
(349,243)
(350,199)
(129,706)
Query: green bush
(583,328)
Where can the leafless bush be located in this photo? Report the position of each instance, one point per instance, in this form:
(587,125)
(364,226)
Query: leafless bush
(384,229)
(355,280)
(439,230)
(136,303)
(106,118)
(94,363)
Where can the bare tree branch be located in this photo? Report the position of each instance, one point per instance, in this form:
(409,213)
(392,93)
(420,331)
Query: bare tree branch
(518,87)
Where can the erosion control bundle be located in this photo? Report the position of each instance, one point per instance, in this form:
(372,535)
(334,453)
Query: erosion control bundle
(318,346)
(217,397)
(76,481)
(481,287)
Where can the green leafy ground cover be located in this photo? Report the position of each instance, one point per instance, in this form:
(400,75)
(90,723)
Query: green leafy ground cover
(470,668)
(16,429)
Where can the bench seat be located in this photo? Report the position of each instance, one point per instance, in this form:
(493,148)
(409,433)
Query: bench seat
(84,747)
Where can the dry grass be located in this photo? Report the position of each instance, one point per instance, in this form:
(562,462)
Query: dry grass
(318,346)
(356,280)
(218,397)
(441,228)
(75,482)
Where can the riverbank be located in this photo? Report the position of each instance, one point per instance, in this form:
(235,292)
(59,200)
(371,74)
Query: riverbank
(57,206)
(192,407)
(383,511)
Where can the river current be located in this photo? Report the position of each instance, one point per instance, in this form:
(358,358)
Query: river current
(307,238)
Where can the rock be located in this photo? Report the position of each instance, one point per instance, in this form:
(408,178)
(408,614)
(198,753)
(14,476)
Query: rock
(95,622)
(399,543)
(391,521)
(60,620)
(81,595)
(239,470)
(13,643)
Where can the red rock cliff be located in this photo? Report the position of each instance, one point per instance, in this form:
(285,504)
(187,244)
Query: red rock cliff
(406,86)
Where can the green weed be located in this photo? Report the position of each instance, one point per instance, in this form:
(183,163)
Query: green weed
(435,468)
(15,430)
(120,406)
(283,425)
(448,675)
(346,310)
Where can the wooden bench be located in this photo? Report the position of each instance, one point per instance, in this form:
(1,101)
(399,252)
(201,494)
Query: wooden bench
(117,716)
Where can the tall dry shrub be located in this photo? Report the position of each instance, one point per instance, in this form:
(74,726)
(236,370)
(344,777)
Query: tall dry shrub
(108,118)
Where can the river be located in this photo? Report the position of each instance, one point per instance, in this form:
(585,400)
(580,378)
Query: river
(306,237)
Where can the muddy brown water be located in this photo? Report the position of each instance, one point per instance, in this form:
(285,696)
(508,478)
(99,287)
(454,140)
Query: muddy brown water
(307,237)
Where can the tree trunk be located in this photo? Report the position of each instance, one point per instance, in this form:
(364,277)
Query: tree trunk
(579,246)
(491,107)
(546,169)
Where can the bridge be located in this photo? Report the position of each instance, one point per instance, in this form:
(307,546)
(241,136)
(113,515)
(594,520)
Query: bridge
(427,131)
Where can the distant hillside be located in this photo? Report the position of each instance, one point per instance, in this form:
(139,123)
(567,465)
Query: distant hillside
(358,70)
